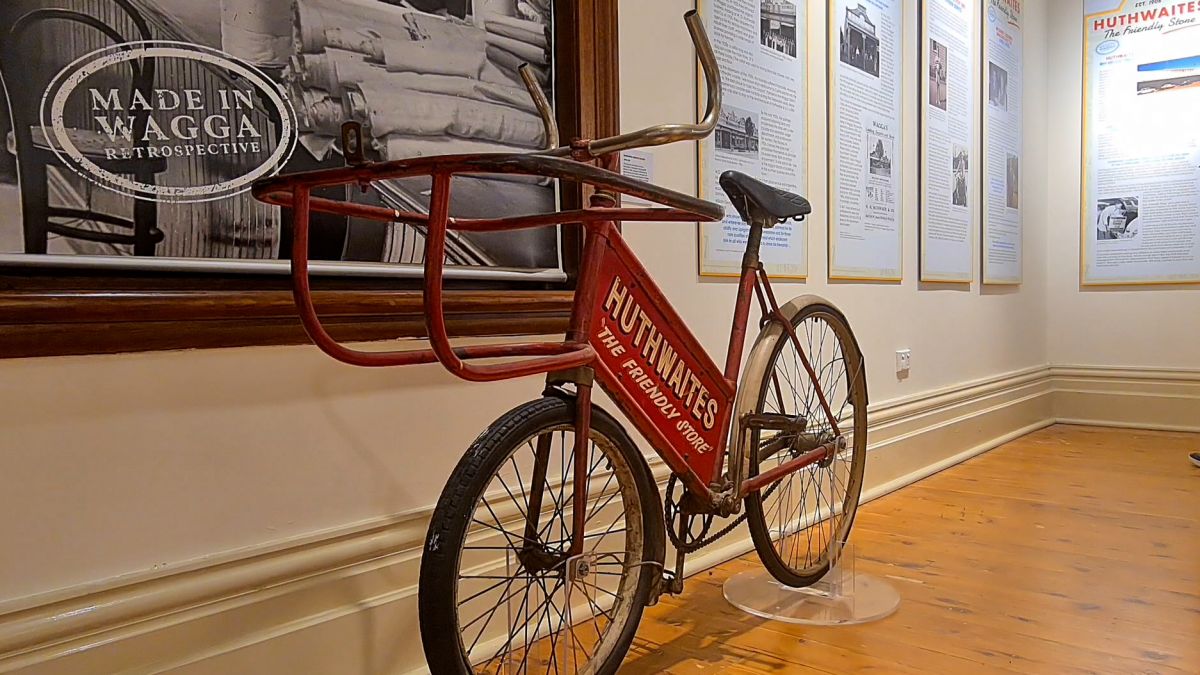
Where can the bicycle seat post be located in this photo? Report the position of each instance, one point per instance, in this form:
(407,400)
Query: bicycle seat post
(750,259)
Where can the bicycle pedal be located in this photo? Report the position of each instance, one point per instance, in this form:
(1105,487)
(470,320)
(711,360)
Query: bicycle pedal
(672,584)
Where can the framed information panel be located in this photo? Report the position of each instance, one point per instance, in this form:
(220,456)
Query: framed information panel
(947,75)
(1003,111)
(866,101)
(761,46)
(1141,148)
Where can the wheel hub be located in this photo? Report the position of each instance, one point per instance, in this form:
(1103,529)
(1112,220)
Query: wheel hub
(539,558)
(839,444)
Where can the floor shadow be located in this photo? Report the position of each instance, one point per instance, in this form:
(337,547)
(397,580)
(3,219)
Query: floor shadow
(695,634)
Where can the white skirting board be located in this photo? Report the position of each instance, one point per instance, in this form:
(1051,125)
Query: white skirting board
(1162,400)
(344,601)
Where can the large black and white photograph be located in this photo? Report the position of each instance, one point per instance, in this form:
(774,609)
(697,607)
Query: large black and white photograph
(136,127)
(997,86)
(938,69)
(880,154)
(737,131)
(1117,218)
(777,19)
(1012,182)
(859,41)
(960,165)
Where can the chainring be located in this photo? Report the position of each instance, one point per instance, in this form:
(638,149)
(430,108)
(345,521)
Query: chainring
(695,525)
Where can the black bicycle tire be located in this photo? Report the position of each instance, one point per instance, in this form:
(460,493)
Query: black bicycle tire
(437,587)
(760,532)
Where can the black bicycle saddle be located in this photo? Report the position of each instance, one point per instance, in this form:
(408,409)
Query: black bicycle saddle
(749,195)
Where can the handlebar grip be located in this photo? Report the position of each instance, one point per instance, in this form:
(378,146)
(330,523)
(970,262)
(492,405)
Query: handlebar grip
(671,133)
(708,62)
(545,111)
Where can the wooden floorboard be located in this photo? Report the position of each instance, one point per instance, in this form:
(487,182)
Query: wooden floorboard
(1071,550)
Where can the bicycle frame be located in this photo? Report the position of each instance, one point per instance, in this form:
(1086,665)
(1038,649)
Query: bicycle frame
(623,332)
(622,326)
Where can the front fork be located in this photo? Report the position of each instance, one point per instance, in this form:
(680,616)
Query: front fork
(583,425)
(576,560)
(532,549)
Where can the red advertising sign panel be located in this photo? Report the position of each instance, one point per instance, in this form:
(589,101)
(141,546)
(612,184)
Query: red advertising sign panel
(653,361)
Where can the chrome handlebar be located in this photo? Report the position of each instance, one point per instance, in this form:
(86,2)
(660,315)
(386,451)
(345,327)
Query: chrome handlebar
(660,134)
(542,105)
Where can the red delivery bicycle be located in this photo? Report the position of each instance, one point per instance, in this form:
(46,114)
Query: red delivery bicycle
(551,535)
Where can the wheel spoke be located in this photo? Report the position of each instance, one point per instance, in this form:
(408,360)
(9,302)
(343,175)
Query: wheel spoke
(506,533)
(610,530)
(601,507)
(506,597)
(512,497)
(508,643)
(489,588)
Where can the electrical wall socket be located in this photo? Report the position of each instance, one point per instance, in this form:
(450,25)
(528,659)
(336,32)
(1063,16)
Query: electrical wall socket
(903,360)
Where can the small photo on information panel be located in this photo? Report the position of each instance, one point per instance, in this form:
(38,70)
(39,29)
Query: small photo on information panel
(139,126)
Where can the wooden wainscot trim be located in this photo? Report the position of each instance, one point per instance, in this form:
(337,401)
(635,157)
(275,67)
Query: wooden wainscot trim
(109,322)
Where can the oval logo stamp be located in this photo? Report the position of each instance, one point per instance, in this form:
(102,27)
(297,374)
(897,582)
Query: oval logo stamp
(237,131)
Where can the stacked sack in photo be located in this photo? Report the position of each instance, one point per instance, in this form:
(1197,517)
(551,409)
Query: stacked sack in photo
(420,84)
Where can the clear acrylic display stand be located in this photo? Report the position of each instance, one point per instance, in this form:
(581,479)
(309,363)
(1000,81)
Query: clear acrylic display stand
(841,597)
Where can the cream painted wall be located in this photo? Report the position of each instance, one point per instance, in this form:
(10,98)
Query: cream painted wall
(139,465)
(1157,326)
(131,464)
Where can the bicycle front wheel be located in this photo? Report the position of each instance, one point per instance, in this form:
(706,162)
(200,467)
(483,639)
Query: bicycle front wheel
(500,591)
(800,522)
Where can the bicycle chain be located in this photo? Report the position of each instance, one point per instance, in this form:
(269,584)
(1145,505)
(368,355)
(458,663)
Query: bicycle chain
(703,541)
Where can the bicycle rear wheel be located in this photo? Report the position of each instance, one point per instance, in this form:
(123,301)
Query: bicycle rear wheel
(800,522)
(499,592)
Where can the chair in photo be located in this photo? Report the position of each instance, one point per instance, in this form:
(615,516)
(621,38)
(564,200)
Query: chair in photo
(58,36)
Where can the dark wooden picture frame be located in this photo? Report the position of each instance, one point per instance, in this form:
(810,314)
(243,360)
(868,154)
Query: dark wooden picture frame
(56,312)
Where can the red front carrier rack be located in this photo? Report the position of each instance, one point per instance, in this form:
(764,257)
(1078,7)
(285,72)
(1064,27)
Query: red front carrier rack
(572,163)
(295,192)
